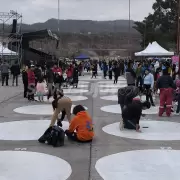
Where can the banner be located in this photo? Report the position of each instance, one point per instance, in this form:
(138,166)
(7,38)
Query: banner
(175,60)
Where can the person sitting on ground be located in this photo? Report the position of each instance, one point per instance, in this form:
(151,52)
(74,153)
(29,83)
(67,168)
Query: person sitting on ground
(126,95)
(132,113)
(58,94)
(81,127)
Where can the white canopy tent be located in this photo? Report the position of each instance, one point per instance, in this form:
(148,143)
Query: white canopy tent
(144,51)
(5,51)
(154,49)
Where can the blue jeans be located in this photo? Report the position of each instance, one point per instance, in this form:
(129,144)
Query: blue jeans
(178,107)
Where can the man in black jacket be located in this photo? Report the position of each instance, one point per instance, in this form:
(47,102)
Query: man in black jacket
(25,81)
(15,71)
(131,114)
(126,95)
(50,80)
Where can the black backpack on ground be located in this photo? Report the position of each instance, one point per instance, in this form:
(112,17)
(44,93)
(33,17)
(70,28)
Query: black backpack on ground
(53,136)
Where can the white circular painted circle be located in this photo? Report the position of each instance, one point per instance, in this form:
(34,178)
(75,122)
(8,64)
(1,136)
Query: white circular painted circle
(110,98)
(111,82)
(74,91)
(82,85)
(141,164)
(73,98)
(115,98)
(113,85)
(83,82)
(117,110)
(45,109)
(25,130)
(88,78)
(21,165)
(110,91)
(156,131)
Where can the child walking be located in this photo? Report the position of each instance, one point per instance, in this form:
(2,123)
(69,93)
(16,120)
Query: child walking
(41,89)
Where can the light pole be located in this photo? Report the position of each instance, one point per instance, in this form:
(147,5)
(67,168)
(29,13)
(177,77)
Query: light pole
(58,14)
(129,28)
(178,32)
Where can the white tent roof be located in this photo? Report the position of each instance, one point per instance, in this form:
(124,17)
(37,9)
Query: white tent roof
(154,49)
(6,51)
(144,51)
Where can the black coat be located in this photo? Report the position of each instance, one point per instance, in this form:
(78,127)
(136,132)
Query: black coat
(75,75)
(24,77)
(50,76)
(131,114)
(15,70)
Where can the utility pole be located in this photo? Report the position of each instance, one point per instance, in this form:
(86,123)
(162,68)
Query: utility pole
(178,32)
(58,14)
(129,41)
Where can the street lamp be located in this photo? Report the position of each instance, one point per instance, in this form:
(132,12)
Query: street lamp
(129,27)
(58,14)
(178,32)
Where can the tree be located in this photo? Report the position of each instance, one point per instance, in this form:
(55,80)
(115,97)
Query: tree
(161,25)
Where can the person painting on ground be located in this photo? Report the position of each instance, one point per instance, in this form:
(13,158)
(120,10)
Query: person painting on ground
(126,95)
(63,104)
(132,113)
(58,94)
(81,127)
(166,85)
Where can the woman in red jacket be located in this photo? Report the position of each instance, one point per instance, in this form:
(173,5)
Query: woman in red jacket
(31,83)
(69,73)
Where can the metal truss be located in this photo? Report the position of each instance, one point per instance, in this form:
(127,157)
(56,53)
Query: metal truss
(7,37)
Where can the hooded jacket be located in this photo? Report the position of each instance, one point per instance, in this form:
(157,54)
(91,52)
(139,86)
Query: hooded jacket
(82,123)
(126,94)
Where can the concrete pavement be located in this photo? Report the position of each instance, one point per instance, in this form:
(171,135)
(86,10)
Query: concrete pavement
(81,157)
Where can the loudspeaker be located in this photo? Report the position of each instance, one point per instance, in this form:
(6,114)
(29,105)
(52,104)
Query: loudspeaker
(14,26)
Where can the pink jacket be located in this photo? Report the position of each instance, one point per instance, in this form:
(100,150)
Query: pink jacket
(41,87)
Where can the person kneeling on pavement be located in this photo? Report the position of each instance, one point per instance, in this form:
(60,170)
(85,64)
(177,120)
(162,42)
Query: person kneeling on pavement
(132,112)
(81,127)
(126,95)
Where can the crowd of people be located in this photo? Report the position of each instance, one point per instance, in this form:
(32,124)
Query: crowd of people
(143,77)
(43,83)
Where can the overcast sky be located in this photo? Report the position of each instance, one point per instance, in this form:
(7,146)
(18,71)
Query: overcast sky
(42,10)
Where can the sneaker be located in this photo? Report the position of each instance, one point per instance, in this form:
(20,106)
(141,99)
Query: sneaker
(177,114)
(59,123)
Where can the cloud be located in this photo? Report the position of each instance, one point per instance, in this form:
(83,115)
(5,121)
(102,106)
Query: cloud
(42,10)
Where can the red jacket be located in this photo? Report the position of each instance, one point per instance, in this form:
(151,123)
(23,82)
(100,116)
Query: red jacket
(31,77)
(57,70)
(69,72)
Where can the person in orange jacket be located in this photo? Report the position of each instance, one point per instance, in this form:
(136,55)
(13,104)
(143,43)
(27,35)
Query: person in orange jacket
(81,127)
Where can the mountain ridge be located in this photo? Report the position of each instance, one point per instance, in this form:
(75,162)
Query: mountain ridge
(82,26)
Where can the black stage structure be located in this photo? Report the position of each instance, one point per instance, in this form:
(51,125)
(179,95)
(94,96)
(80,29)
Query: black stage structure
(39,47)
